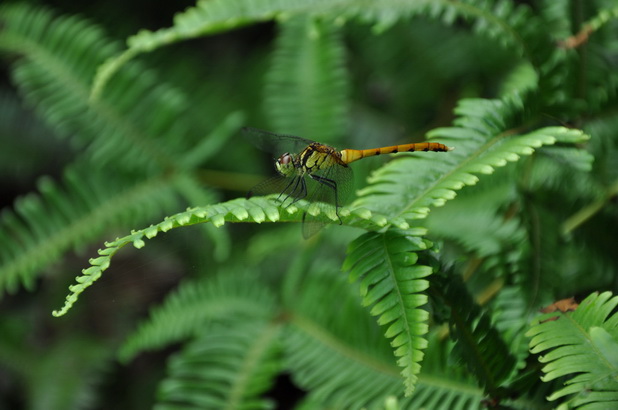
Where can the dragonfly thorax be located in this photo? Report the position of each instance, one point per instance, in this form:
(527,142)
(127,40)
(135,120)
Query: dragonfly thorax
(285,165)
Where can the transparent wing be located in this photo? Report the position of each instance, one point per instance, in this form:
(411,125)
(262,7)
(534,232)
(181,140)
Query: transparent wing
(332,185)
(290,190)
(330,188)
(275,144)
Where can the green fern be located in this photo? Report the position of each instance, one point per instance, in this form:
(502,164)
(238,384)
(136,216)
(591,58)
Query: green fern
(603,147)
(235,362)
(556,15)
(341,366)
(258,210)
(505,236)
(151,157)
(511,317)
(512,25)
(558,168)
(206,18)
(392,282)
(476,219)
(351,367)
(482,143)
(603,17)
(479,344)
(23,158)
(581,345)
(88,201)
(305,92)
(227,296)
(119,125)
(458,390)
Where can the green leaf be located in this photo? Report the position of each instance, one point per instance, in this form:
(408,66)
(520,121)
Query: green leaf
(342,360)
(581,345)
(183,314)
(69,214)
(227,367)
(512,25)
(482,142)
(134,124)
(258,210)
(478,343)
(306,87)
(392,283)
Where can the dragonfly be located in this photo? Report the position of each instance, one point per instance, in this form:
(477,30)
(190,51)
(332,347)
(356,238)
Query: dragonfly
(316,172)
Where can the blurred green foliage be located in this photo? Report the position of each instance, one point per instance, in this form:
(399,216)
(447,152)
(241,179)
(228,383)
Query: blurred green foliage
(449,256)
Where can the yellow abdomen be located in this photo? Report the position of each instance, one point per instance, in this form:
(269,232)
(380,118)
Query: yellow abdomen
(351,155)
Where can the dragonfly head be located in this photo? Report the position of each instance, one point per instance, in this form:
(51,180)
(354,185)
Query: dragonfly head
(285,165)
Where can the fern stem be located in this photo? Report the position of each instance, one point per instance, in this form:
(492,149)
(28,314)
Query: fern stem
(327,339)
(583,215)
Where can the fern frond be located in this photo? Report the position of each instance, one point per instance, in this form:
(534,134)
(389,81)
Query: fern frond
(581,345)
(441,385)
(184,313)
(503,20)
(482,143)
(604,148)
(556,15)
(69,214)
(345,366)
(562,169)
(228,367)
(305,92)
(603,17)
(207,17)
(511,315)
(258,210)
(391,283)
(582,72)
(342,366)
(60,56)
(476,220)
(477,341)
(521,80)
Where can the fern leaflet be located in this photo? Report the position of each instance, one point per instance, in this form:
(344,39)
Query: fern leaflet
(120,125)
(479,344)
(581,345)
(482,143)
(228,367)
(226,296)
(342,366)
(305,92)
(258,210)
(391,283)
(70,214)
(512,25)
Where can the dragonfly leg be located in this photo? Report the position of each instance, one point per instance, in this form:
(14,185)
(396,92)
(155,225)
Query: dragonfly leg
(294,184)
(332,185)
(302,193)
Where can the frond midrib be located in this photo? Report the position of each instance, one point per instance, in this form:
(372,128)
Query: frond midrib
(112,116)
(443,382)
(400,298)
(586,334)
(481,150)
(62,238)
(318,332)
(251,362)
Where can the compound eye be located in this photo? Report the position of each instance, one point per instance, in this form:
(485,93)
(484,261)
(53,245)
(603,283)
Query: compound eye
(285,159)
